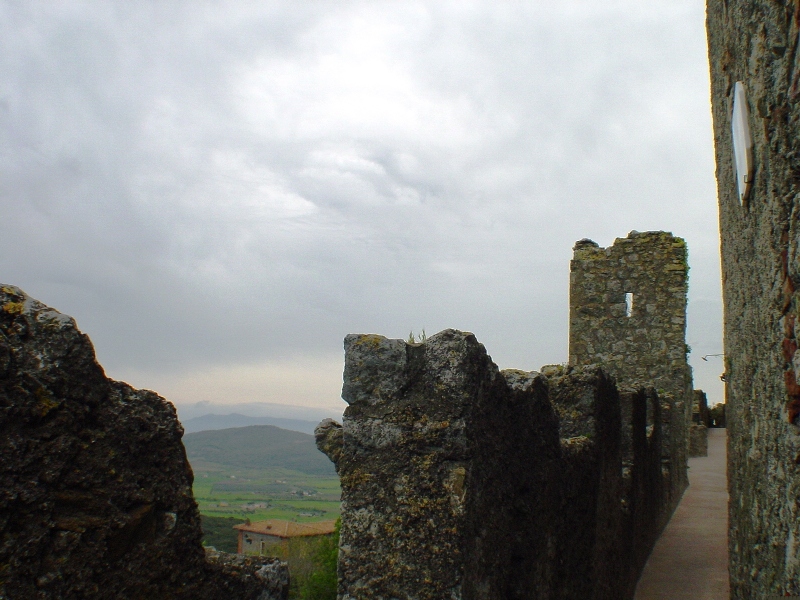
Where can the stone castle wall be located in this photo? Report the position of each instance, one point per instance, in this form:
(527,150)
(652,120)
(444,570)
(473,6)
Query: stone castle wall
(700,412)
(756,43)
(439,492)
(95,489)
(628,314)
(701,421)
(463,481)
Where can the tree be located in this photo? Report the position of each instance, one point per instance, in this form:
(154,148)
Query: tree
(321,583)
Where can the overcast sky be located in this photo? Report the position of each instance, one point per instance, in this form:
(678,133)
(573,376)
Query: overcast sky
(220,192)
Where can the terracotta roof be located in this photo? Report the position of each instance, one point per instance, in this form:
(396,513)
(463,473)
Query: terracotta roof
(287,529)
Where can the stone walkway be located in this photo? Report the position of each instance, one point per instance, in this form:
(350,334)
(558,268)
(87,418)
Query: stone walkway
(690,560)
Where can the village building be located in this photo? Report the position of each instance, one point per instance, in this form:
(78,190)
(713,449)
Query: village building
(275,535)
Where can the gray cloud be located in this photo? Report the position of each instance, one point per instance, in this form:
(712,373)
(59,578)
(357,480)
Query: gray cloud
(209,184)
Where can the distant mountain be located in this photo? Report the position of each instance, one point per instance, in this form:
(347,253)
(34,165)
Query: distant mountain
(211,422)
(259,409)
(258,447)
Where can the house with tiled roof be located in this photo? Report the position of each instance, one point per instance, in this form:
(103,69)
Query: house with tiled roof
(266,537)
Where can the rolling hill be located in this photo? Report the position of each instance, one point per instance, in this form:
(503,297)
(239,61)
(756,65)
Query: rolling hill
(258,447)
(214,421)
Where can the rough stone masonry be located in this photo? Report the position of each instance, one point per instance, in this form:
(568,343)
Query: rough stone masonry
(756,44)
(628,314)
(95,489)
(463,481)
(440,495)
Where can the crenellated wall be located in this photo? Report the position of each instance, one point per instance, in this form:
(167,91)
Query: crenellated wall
(445,465)
(463,481)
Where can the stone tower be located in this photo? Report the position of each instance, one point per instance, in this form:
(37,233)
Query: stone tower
(628,314)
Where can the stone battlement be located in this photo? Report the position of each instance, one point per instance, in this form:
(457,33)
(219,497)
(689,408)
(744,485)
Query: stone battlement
(463,481)
(460,480)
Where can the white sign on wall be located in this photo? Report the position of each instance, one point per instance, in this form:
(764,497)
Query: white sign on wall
(742,141)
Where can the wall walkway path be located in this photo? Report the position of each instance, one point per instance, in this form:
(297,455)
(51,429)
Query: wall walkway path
(690,560)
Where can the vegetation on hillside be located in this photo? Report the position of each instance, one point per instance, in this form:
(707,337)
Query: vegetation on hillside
(258,447)
(312,566)
(263,472)
(312,561)
(717,415)
(219,532)
(254,494)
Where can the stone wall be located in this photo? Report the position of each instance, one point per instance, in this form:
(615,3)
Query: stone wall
(95,490)
(592,557)
(643,497)
(628,314)
(756,43)
(716,415)
(700,413)
(698,440)
(698,430)
(439,496)
(463,481)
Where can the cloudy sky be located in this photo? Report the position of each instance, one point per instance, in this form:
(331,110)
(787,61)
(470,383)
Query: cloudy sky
(219,192)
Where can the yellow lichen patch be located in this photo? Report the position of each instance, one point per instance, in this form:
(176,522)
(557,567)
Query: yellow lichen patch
(46,401)
(13,308)
(424,463)
(519,372)
(455,485)
(568,413)
(355,478)
(372,340)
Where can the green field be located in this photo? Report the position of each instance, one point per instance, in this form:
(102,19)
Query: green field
(259,472)
(268,493)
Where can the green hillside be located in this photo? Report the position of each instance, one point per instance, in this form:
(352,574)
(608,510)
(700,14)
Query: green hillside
(258,447)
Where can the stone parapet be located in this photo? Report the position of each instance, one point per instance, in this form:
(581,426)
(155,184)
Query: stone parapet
(698,440)
(446,468)
(700,412)
(592,554)
(463,481)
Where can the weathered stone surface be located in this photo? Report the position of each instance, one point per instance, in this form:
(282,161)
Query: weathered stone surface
(628,314)
(329,438)
(700,412)
(447,471)
(645,502)
(463,481)
(234,576)
(698,440)
(95,490)
(593,560)
(756,43)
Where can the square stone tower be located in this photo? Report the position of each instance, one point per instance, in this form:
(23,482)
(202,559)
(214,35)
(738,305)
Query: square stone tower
(628,315)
